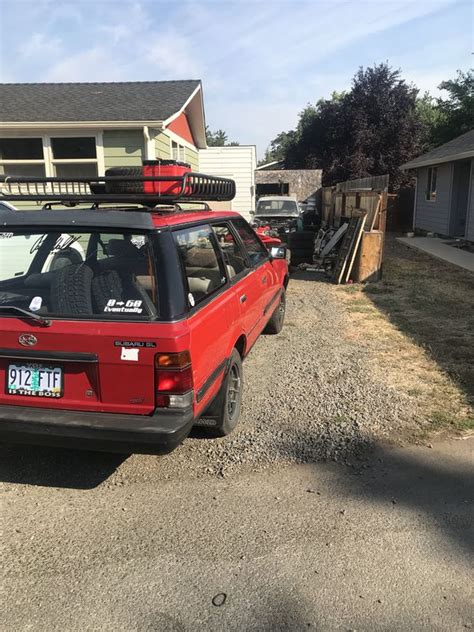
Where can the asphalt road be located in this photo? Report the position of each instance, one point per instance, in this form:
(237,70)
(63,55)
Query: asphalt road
(385,544)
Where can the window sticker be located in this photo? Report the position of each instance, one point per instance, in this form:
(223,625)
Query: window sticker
(6,235)
(129,354)
(123,307)
(36,303)
(191,300)
(138,241)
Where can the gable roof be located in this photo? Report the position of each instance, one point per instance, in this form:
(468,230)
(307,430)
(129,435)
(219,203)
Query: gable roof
(456,149)
(76,102)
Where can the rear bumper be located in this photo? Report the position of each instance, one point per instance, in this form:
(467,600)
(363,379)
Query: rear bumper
(159,433)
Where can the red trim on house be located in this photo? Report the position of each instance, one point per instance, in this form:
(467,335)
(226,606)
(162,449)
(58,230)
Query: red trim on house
(180,126)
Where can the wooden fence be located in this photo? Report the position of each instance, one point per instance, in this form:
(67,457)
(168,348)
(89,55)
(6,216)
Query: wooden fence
(348,198)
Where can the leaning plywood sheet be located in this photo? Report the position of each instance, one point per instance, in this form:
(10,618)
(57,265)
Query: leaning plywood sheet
(352,234)
(355,248)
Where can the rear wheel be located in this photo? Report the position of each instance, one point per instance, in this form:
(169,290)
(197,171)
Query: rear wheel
(224,412)
(275,324)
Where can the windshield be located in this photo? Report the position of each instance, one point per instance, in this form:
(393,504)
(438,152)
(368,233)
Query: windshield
(277,207)
(78,275)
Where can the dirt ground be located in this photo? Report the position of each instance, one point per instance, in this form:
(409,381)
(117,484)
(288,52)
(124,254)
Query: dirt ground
(423,315)
(254,531)
(354,365)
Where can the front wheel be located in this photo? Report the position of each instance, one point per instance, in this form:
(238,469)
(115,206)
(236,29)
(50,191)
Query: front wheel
(224,412)
(275,324)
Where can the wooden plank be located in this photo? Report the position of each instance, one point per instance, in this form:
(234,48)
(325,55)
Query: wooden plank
(375,214)
(368,263)
(352,233)
(355,248)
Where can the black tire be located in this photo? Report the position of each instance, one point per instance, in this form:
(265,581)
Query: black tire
(124,187)
(64,258)
(300,257)
(275,324)
(219,414)
(302,252)
(301,239)
(105,286)
(71,290)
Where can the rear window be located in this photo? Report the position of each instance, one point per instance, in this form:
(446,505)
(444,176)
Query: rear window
(78,275)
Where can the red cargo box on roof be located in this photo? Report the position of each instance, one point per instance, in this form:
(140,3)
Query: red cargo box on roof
(168,168)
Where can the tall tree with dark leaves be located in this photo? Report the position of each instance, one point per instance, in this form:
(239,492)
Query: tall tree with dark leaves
(370,130)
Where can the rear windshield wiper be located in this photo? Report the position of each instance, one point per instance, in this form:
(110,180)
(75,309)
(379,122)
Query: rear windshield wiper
(13,308)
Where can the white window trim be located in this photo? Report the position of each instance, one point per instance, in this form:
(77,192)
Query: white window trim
(181,147)
(428,194)
(181,141)
(49,161)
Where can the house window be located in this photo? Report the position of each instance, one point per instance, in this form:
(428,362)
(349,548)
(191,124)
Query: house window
(178,151)
(431,188)
(65,157)
(75,156)
(22,157)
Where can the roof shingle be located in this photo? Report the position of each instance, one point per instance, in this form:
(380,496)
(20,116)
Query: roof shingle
(460,147)
(125,101)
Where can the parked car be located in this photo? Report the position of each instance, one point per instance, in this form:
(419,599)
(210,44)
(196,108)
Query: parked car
(139,330)
(280,215)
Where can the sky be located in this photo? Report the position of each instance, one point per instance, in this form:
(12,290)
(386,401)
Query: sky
(261,61)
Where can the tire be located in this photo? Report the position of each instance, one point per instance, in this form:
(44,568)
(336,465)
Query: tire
(105,286)
(71,290)
(302,252)
(223,419)
(299,256)
(301,239)
(275,324)
(64,258)
(125,187)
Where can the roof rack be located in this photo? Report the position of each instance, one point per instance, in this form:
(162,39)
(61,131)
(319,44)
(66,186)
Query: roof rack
(148,191)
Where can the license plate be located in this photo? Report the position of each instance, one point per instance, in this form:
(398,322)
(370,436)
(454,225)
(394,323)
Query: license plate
(34,380)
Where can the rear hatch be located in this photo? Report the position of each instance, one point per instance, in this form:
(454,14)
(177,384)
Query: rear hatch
(78,320)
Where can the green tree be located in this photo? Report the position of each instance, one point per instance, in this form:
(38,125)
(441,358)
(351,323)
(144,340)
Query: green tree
(456,112)
(370,130)
(218,138)
(278,147)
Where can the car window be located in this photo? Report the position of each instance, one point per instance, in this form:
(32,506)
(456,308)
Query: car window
(255,249)
(234,257)
(201,261)
(78,275)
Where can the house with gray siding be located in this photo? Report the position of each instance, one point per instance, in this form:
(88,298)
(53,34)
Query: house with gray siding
(444,200)
(82,129)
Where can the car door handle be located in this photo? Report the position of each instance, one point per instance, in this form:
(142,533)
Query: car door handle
(243,298)
(264,279)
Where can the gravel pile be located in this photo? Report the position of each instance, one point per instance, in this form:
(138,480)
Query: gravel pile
(311,394)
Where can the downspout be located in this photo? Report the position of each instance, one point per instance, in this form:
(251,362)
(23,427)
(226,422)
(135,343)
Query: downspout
(415,206)
(149,142)
(146,138)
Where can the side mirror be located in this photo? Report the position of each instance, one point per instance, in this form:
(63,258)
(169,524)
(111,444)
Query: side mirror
(252,212)
(278,252)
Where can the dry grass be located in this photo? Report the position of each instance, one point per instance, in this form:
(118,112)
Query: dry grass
(421,318)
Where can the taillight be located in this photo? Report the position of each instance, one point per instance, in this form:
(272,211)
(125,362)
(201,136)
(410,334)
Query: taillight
(174,380)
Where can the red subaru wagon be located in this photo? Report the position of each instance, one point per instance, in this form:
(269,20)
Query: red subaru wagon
(122,327)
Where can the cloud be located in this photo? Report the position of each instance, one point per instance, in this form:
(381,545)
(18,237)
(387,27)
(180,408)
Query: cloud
(95,64)
(261,62)
(40,44)
(174,56)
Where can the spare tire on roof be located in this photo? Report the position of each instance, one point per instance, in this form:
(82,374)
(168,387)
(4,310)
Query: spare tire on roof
(127,186)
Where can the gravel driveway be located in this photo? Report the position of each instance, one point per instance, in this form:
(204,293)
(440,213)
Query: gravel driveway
(314,392)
